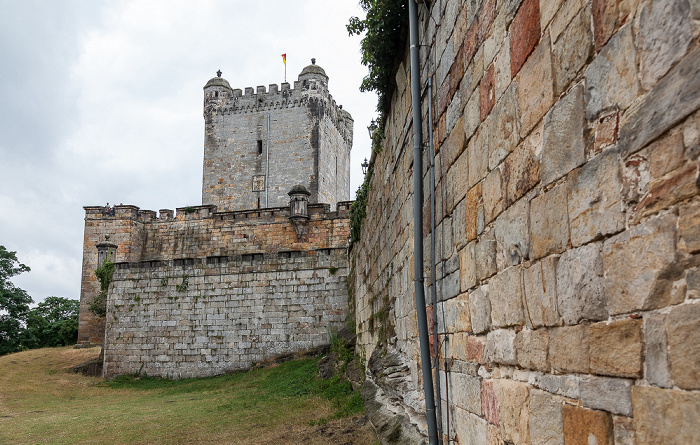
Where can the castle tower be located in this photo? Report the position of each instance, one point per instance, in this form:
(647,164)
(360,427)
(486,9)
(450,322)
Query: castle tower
(260,144)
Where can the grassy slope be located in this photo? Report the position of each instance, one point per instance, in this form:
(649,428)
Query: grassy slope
(41,401)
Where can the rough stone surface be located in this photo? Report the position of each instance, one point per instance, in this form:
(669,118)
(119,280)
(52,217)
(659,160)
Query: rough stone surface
(638,263)
(611,79)
(564,385)
(683,328)
(585,427)
(524,34)
(532,348)
(549,223)
(535,87)
(563,145)
(572,50)
(616,348)
(500,347)
(546,423)
(689,227)
(595,200)
(512,235)
(580,286)
(605,13)
(480,310)
(663,35)
(664,416)
(607,394)
(504,135)
(568,349)
(521,169)
(469,395)
(656,369)
(485,250)
(493,195)
(505,293)
(467,266)
(677,94)
(513,398)
(540,291)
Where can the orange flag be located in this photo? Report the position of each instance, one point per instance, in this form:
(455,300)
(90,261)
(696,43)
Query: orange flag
(284,59)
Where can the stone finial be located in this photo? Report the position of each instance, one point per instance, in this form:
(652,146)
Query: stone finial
(313,61)
(218,73)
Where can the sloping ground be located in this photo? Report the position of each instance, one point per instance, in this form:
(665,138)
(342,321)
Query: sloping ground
(42,401)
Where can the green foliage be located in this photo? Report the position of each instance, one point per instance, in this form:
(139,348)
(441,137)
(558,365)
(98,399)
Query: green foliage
(332,270)
(189,209)
(184,284)
(383,28)
(358,209)
(54,322)
(14,305)
(104,274)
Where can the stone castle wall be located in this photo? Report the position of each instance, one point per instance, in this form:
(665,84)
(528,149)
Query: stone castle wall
(309,138)
(567,225)
(203,317)
(244,267)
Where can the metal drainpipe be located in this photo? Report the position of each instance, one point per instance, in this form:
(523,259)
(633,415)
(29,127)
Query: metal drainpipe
(418,224)
(267,158)
(433,279)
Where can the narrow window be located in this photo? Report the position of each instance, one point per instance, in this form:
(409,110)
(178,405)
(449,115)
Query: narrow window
(259,146)
(258,202)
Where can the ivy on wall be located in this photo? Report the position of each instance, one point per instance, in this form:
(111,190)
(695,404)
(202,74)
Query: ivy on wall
(104,274)
(384,29)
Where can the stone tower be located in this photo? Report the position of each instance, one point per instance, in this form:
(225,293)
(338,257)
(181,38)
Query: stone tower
(260,144)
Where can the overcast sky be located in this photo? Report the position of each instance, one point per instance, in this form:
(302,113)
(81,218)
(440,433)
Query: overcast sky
(102,101)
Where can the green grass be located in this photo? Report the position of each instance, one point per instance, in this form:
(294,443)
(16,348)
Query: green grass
(41,401)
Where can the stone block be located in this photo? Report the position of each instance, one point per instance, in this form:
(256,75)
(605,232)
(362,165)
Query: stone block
(595,200)
(489,402)
(605,13)
(532,348)
(540,292)
(467,266)
(493,195)
(457,314)
(468,397)
(607,394)
(665,155)
(572,50)
(468,348)
(501,65)
(471,203)
(513,412)
(663,34)
(504,133)
(667,191)
(487,93)
(521,169)
(683,331)
(471,428)
(639,265)
(471,118)
(568,349)
(512,235)
(524,34)
(692,280)
(546,423)
(563,144)
(563,17)
(547,12)
(611,78)
(564,385)
(505,293)
(623,429)
(585,427)
(616,348)
(580,285)
(535,87)
(673,98)
(500,347)
(480,310)
(478,148)
(656,369)
(664,416)
(549,223)
(486,255)
(689,227)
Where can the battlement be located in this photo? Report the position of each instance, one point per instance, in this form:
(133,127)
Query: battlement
(273,214)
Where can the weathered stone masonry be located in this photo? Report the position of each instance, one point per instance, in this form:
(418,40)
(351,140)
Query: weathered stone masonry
(216,287)
(567,226)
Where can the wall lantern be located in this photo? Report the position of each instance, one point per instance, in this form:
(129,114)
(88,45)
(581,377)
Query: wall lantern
(364,165)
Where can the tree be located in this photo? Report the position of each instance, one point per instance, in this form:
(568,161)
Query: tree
(54,322)
(14,304)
